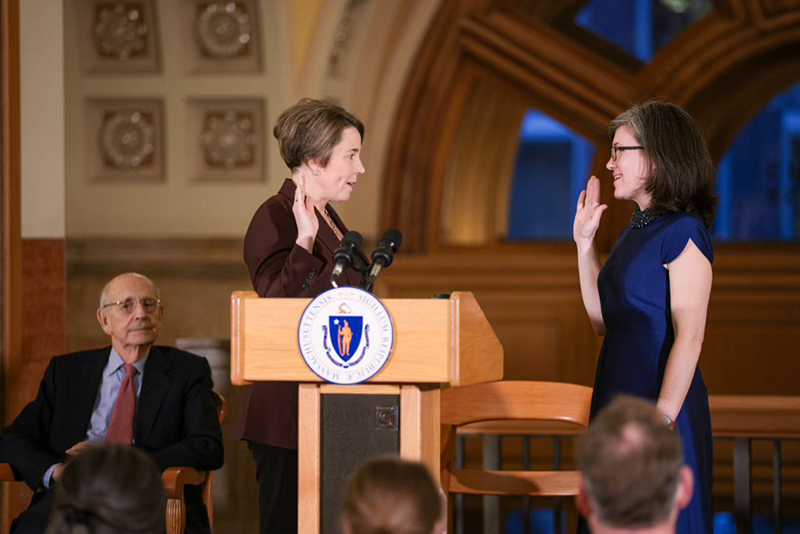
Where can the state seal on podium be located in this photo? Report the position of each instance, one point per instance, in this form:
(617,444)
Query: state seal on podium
(346,335)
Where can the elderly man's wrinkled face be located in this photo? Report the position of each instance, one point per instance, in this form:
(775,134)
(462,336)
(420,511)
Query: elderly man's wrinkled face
(132,314)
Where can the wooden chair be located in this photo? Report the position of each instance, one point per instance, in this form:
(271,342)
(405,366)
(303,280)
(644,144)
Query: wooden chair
(511,407)
(175,479)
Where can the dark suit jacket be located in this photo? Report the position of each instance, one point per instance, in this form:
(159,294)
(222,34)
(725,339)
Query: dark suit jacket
(176,421)
(280,268)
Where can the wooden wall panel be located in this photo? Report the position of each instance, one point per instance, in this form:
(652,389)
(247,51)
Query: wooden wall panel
(43,297)
(751,354)
(535,346)
(44,302)
(532,299)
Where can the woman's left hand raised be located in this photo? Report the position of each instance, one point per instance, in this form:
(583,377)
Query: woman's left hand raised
(304,216)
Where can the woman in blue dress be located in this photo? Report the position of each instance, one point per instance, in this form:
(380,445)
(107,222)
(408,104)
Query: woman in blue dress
(650,299)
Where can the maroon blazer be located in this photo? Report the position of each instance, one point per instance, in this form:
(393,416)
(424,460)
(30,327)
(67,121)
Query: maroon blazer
(280,268)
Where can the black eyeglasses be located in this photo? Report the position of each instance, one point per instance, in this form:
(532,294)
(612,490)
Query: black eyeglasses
(615,150)
(127,306)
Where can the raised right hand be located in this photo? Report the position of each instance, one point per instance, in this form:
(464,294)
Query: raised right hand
(304,216)
(588,213)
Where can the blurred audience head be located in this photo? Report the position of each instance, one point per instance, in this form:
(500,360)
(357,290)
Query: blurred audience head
(110,489)
(387,495)
(633,471)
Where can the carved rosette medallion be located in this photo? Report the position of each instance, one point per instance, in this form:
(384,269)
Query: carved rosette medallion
(127,140)
(228,140)
(224,30)
(120,31)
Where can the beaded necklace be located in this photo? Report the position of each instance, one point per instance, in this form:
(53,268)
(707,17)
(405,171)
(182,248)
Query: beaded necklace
(640,219)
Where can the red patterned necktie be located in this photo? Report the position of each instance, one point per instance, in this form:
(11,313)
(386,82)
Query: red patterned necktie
(120,430)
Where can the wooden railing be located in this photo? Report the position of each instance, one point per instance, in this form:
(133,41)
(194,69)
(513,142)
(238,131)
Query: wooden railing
(744,419)
(740,419)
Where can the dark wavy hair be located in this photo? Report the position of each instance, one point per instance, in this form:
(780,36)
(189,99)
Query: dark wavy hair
(311,129)
(110,489)
(681,173)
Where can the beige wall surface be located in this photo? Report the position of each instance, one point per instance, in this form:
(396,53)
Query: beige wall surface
(178,205)
(42,118)
(372,43)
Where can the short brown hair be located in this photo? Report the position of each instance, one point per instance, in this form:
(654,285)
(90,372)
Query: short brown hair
(391,496)
(310,130)
(681,173)
(110,489)
(631,464)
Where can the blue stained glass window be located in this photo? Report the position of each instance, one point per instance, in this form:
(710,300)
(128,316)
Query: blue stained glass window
(758,179)
(553,164)
(641,27)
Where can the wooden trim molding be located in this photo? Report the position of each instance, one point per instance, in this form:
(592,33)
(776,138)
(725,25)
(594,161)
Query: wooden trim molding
(11,227)
(197,257)
(12,257)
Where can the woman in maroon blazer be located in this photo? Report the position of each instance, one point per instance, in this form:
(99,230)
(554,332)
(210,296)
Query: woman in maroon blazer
(288,250)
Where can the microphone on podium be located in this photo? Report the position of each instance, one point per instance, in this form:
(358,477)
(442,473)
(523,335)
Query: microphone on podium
(383,256)
(346,255)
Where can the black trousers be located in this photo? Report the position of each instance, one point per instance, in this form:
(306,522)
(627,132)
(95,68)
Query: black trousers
(276,473)
(34,520)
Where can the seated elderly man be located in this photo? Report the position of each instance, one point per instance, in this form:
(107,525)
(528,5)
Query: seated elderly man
(157,399)
(634,478)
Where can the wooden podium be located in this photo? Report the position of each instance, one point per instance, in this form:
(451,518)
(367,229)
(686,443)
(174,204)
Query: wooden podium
(437,343)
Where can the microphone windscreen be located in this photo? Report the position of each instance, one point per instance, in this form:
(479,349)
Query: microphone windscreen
(393,239)
(352,239)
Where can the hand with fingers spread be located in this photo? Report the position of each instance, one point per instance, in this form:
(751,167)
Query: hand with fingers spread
(304,216)
(588,213)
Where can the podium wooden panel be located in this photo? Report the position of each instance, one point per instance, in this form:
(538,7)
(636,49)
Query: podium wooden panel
(438,343)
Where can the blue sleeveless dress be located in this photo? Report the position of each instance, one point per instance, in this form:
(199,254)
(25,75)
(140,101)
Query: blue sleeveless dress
(635,300)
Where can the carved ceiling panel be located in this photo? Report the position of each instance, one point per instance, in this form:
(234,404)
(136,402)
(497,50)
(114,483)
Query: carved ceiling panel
(221,36)
(118,37)
(123,141)
(185,117)
(226,140)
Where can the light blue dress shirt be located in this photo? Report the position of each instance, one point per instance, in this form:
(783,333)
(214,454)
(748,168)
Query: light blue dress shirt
(113,376)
